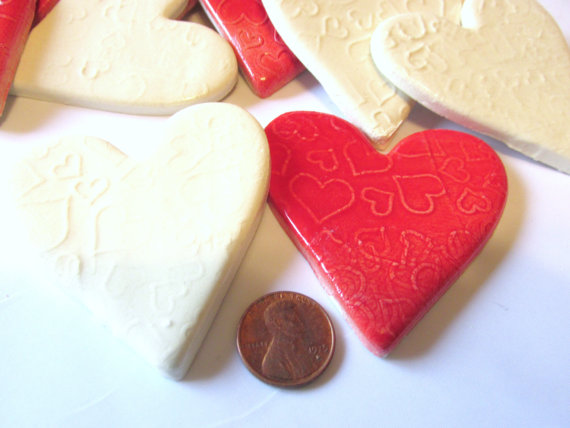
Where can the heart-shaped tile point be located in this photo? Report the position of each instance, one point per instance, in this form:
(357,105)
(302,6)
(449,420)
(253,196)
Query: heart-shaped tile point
(151,247)
(506,73)
(331,38)
(385,234)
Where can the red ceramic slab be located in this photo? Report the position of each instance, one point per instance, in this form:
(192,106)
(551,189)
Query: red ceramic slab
(16,18)
(265,61)
(385,234)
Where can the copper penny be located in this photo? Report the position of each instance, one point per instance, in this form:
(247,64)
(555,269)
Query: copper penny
(286,339)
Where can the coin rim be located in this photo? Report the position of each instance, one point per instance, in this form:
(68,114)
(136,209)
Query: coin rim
(296,382)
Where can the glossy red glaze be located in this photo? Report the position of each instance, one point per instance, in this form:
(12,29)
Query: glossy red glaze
(265,61)
(16,18)
(385,234)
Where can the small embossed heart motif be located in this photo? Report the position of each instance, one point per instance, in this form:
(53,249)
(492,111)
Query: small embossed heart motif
(332,38)
(385,234)
(505,72)
(265,61)
(131,57)
(151,247)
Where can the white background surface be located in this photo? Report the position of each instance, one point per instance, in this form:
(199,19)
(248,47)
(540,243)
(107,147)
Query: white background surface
(494,351)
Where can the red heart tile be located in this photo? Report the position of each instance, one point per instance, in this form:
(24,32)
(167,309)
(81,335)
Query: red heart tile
(265,61)
(385,234)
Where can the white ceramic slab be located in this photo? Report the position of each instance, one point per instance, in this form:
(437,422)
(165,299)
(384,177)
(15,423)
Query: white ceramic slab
(150,247)
(331,38)
(504,72)
(128,57)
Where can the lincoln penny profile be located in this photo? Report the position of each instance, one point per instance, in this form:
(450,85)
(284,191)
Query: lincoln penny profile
(286,339)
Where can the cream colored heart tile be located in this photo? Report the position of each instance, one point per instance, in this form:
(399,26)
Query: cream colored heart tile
(124,56)
(150,248)
(505,73)
(331,38)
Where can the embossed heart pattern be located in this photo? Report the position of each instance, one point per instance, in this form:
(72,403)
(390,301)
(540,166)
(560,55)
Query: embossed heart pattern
(505,72)
(150,248)
(130,57)
(385,234)
(331,38)
(409,259)
(265,61)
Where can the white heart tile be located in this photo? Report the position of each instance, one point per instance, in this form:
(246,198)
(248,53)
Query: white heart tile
(504,73)
(151,247)
(124,56)
(331,38)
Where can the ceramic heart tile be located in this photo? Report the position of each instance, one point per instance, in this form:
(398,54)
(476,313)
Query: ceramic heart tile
(15,22)
(265,61)
(332,40)
(385,234)
(505,73)
(126,57)
(151,248)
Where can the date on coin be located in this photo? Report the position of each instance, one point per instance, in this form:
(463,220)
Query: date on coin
(286,339)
